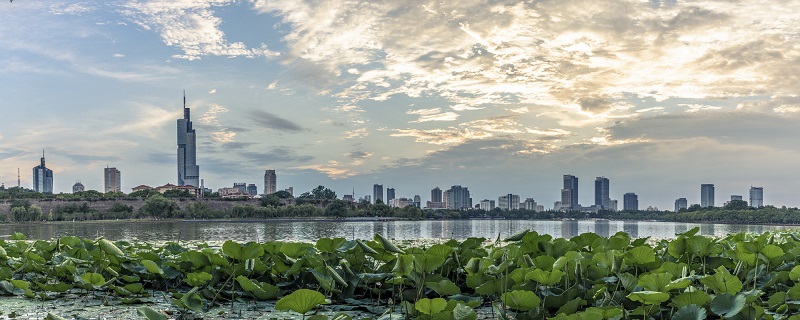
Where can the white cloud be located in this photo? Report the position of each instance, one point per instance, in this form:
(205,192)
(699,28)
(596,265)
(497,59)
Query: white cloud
(118,55)
(212,91)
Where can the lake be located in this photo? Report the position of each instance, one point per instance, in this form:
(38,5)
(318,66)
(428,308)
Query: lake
(401,230)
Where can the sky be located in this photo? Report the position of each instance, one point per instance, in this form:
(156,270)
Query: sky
(498,96)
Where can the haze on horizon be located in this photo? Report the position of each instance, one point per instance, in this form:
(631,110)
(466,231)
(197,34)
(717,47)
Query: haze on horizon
(504,97)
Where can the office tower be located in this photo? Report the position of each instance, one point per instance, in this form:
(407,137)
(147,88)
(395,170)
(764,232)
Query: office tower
(706,195)
(736,197)
(756,197)
(417,201)
(188,170)
(458,198)
(241,186)
(377,193)
(389,194)
(487,205)
(630,202)
(252,189)
(78,187)
(601,189)
(508,202)
(436,195)
(529,204)
(681,203)
(270,182)
(569,195)
(613,205)
(42,178)
(112,179)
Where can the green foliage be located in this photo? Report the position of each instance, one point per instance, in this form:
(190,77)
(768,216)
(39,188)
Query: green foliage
(301,301)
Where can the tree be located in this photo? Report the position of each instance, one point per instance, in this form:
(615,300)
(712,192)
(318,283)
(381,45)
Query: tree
(283,194)
(120,208)
(270,201)
(737,205)
(159,207)
(144,193)
(175,193)
(337,208)
(199,209)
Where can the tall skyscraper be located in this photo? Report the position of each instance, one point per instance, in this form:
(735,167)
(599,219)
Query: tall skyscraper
(458,198)
(188,170)
(601,190)
(569,195)
(252,189)
(377,193)
(271,182)
(756,197)
(112,179)
(241,186)
(42,178)
(706,195)
(508,202)
(389,194)
(630,202)
(436,195)
(681,203)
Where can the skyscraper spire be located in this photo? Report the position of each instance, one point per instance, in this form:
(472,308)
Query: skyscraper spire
(18,184)
(184,98)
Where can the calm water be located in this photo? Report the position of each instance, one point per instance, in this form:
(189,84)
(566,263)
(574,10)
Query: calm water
(401,230)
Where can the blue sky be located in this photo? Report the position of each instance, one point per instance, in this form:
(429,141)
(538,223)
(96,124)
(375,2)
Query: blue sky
(501,96)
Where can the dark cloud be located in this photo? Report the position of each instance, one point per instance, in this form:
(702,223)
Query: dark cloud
(276,155)
(269,120)
(358,154)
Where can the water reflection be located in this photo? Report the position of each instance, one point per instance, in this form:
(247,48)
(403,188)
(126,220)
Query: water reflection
(401,230)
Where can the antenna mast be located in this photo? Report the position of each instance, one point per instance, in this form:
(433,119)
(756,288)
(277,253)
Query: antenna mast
(18,184)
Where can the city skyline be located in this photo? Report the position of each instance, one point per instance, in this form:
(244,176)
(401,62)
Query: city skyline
(502,97)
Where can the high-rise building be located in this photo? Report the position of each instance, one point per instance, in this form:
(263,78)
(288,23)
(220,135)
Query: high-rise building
(706,195)
(377,192)
(569,195)
(487,205)
(241,186)
(756,197)
(681,203)
(630,202)
(436,195)
(736,197)
(529,204)
(78,187)
(417,201)
(508,202)
(270,182)
(188,170)
(252,189)
(601,190)
(613,205)
(389,194)
(42,178)
(458,198)
(112,179)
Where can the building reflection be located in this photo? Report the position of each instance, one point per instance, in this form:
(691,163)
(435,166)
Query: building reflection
(707,229)
(602,228)
(569,228)
(631,228)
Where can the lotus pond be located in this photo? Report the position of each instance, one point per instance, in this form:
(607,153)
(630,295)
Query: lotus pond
(526,276)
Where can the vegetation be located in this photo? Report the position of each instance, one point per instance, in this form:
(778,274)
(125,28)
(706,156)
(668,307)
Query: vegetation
(528,276)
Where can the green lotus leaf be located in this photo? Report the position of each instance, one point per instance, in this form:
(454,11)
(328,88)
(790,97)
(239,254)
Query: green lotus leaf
(386,244)
(727,305)
(424,263)
(295,250)
(649,297)
(547,278)
(722,282)
(3,254)
(329,244)
(21,284)
(795,274)
(198,259)
(690,312)
(517,236)
(521,300)
(430,306)
(655,281)
(699,298)
(439,250)
(94,279)
(196,279)
(444,287)
(109,247)
(301,301)
(152,267)
(463,312)
(641,255)
(192,300)
(56,287)
(51,316)
(364,247)
(404,265)
(134,287)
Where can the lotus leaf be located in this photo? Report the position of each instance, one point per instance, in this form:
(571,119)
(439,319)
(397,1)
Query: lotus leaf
(640,255)
(649,297)
(109,247)
(517,236)
(192,300)
(444,287)
(463,312)
(386,244)
(722,282)
(430,306)
(547,278)
(521,300)
(727,305)
(301,301)
(690,312)
(94,279)
(196,279)
(699,298)
(152,267)
(242,252)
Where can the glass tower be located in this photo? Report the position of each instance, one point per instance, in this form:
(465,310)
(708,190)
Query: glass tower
(188,170)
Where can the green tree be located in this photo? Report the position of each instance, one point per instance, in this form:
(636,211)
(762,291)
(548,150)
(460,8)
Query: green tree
(144,193)
(175,193)
(270,200)
(159,207)
(283,194)
(337,208)
(737,205)
(199,209)
(119,207)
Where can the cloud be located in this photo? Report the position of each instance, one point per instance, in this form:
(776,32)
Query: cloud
(212,91)
(149,122)
(191,26)
(268,120)
(332,169)
(434,114)
(118,55)
(275,155)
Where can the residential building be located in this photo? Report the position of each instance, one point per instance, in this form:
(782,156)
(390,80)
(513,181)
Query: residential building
(389,194)
(377,193)
(290,190)
(42,178)
(78,187)
(436,199)
(630,202)
(417,201)
(613,205)
(458,198)
(681,203)
(112,179)
(446,198)
(252,189)
(348,198)
(230,192)
(270,182)
(487,205)
(706,195)
(188,170)
(756,197)
(401,202)
(736,197)
(540,208)
(601,190)
(529,204)
(569,194)
(508,202)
